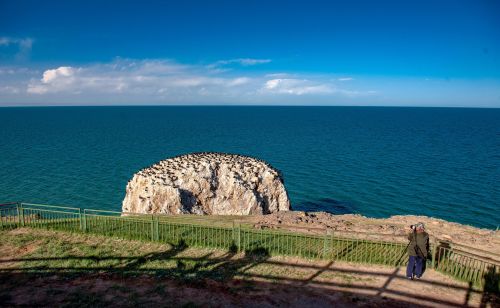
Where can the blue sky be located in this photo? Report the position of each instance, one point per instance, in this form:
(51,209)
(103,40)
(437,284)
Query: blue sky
(371,53)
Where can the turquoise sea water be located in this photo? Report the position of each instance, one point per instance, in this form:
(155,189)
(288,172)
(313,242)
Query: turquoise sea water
(373,161)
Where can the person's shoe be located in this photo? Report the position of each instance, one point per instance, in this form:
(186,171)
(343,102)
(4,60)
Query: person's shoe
(417,277)
(410,278)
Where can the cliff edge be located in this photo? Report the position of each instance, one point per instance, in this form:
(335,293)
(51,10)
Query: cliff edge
(207,184)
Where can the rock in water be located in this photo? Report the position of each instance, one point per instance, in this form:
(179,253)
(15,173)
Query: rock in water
(207,183)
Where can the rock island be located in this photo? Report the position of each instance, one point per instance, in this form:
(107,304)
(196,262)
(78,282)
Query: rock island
(207,184)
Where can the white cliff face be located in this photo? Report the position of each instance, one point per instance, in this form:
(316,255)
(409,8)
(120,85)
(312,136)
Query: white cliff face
(207,183)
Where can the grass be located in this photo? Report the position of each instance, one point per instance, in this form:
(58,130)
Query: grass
(73,269)
(67,253)
(276,242)
(45,254)
(59,252)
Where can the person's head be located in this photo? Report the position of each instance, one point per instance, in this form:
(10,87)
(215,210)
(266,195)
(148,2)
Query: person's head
(420,227)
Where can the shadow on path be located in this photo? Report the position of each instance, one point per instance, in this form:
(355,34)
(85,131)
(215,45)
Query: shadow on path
(227,269)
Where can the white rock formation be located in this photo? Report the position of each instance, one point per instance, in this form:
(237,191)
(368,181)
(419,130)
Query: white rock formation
(207,183)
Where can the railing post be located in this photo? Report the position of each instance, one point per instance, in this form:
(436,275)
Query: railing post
(18,208)
(157,231)
(84,220)
(239,236)
(331,244)
(152,228)
(325,241)
(434,252)
(233,234)
(20,213)
(80,218)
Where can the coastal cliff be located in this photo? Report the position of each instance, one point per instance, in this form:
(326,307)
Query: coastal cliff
(207,184)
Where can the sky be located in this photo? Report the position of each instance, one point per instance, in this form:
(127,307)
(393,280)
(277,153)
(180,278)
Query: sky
(361,53)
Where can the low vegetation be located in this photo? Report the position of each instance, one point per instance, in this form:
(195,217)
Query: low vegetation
(53,268)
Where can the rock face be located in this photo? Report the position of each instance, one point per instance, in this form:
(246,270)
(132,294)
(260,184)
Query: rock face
(207,183)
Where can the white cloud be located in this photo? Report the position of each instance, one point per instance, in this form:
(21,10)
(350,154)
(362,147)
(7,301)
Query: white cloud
(56,80)
(239,61)
(345,79)
(10,90)
(247,61)
(61,72)
(37,89)
(296,87)
(164,81)
(278,75)
(144,77)
(239,81)
(23,45)
(273,84)
(11,70)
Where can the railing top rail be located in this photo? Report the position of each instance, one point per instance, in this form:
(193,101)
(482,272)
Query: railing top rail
(8,203)
(51,211)
(164,222)
(285,226)
(50,206)
(461,247)
(322,236)
(97,214)
(103,211)
(131,219)
(468,254)
(124,214)
(277,231)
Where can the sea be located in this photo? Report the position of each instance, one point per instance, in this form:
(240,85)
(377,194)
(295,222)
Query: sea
(373,161)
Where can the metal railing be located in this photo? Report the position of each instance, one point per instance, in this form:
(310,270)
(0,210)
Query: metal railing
(459,264)
(466,266)
(9,215)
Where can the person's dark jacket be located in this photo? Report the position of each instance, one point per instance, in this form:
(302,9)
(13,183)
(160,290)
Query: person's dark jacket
(419,244)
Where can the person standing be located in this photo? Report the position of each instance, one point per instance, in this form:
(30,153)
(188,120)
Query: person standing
(418,249)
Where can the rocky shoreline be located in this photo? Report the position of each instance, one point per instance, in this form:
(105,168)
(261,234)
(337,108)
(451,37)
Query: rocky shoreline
(394,228)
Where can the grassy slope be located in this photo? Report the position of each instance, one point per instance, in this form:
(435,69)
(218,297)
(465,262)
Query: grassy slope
(56,268)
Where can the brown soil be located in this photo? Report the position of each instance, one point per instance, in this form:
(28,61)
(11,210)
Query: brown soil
(320,285)
(8,252)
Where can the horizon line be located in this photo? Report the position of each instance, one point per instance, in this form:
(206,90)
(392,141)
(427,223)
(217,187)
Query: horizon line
(247,105)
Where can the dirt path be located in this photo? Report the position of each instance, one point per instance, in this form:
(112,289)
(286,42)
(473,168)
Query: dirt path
(339,285)
(62,269)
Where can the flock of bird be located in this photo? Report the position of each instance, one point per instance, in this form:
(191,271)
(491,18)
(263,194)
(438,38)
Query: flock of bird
(168,170)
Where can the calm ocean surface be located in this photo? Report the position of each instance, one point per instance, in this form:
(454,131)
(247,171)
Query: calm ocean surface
(372,161)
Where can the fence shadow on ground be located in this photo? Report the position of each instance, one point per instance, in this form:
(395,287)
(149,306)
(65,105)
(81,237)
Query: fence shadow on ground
(491,290)
(228,268)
